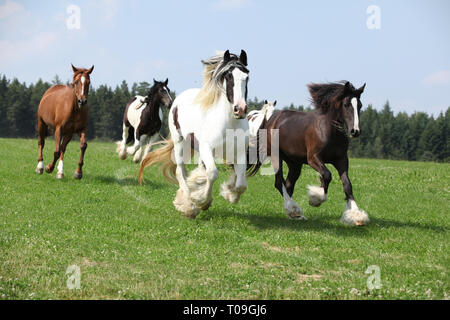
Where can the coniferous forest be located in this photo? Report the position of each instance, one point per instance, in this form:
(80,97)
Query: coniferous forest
(385,135)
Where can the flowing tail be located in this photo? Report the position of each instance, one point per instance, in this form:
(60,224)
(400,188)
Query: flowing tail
(164,157)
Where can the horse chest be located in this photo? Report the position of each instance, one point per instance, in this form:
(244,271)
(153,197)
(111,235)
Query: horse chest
(76,122)
(150,122)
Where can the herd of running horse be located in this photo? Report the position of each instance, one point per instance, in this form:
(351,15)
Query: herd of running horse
(213,122)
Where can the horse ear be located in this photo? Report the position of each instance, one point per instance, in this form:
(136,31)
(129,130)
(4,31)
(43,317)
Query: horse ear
(345,90)
(266,102)
(73,68)
(90,70)
(361,90)
(226,56)
(243,58)
(275,103)
(166,82)
(154,81)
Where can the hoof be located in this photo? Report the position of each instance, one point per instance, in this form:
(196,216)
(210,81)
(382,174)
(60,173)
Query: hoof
(78,175)
(294,212)
(59,175)
(49,169)
(39,170)
(185,205)
(355,217)
(231,194)
(316,196)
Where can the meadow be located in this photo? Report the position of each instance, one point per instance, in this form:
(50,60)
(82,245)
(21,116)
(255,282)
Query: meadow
(130,243)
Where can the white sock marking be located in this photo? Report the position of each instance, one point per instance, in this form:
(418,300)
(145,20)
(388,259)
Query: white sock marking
(60,167)
(40,165)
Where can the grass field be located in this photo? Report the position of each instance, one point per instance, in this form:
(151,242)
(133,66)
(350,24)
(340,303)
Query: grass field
(130,243)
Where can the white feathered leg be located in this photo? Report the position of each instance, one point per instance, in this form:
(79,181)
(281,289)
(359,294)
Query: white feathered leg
(183,201)
(121,145)
(292,209)
(316,196)
(354,216)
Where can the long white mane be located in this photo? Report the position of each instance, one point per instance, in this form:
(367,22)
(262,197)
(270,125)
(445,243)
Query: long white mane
(213,75)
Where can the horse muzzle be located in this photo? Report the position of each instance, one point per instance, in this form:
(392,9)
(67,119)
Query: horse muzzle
(81,102)
(240,112)
(355,133)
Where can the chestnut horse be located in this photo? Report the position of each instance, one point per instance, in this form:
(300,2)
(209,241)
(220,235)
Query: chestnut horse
(315,138)
(64,109)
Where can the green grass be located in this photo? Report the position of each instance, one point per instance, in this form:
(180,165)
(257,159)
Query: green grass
(130,242)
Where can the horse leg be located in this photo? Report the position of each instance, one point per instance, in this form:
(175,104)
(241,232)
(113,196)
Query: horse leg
(132,150)
(292,209)
(149,146)
(318,195)
(64,143)
(236,185)
(122,147)
(352,215)
(201,180)
(142,141)
(292,177)
(83,146)
(50,167)
(182,202)
(42,131)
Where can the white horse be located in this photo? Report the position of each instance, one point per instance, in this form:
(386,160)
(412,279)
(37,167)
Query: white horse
(144,115)
(214,118)
(256,118)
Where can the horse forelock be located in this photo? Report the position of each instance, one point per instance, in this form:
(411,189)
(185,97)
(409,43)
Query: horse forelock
(214,71)
(326,95)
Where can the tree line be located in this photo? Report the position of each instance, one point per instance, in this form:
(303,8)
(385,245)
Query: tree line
(385,135)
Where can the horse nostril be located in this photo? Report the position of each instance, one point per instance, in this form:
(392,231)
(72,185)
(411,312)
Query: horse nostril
(236,108)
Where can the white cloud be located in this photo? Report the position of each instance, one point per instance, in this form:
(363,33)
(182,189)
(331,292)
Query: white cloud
(226,5)
(10,8)
(439,78)
(15,51)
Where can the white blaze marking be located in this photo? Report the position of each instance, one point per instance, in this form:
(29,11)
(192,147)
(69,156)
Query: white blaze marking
(355,117)
(168,93)
(82,84)
(160,114)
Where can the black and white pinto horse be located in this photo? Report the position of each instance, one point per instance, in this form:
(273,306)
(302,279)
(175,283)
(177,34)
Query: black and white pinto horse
(143,115)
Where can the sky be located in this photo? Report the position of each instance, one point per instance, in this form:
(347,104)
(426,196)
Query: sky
(401,50)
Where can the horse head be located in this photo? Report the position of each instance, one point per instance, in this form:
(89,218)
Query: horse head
(235,82)
(349,106)
(159,93)
(81,81)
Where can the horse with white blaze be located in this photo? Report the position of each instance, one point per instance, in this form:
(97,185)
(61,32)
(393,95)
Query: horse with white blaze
(143,115)
(214,119)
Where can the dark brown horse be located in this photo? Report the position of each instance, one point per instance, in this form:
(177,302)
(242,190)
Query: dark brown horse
(316,138)
(64,109)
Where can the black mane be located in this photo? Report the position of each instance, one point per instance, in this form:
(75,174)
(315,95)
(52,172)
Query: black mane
(325,95)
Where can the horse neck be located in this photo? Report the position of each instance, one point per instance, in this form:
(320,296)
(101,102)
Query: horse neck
(154,104)
(334,121)
(223,106)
